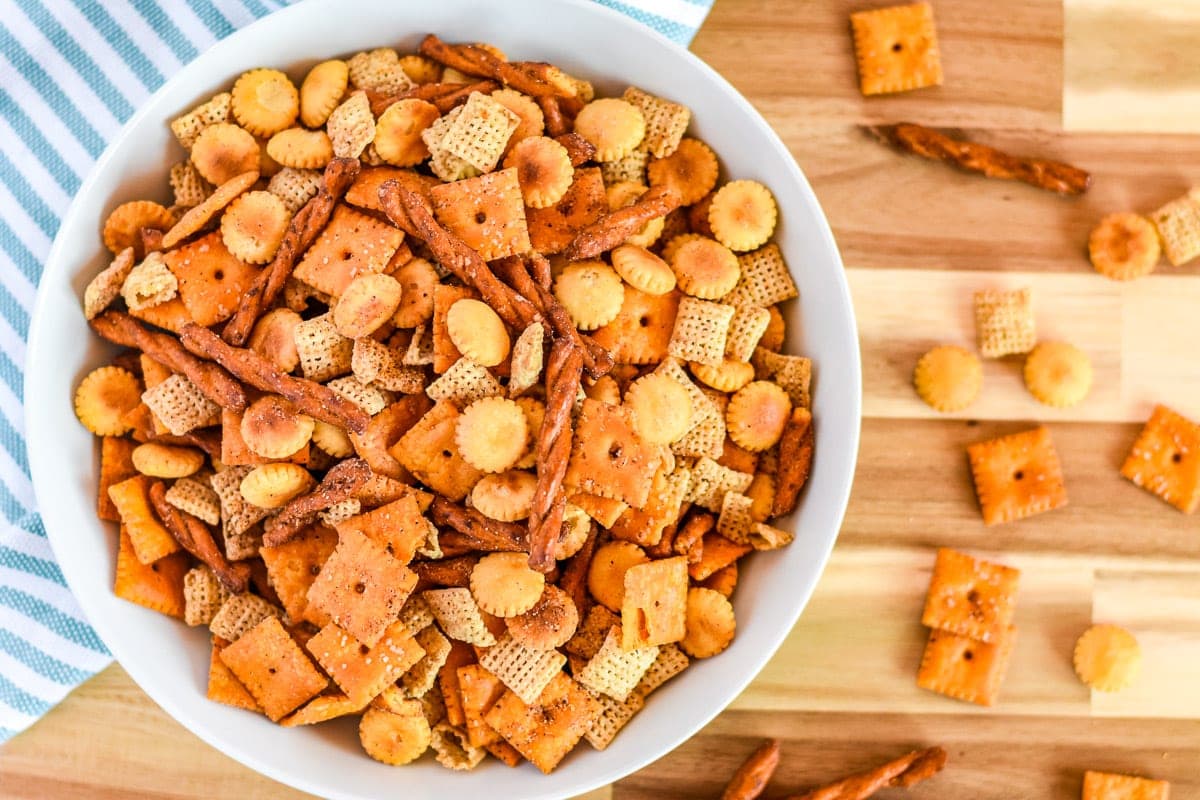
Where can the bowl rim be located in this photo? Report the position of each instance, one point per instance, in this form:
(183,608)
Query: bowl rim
(42,459)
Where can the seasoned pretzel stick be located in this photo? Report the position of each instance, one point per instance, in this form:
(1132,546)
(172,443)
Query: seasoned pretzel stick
(564,370)
(311,398)
(447,571)
(905,771)
(436,93)
(752,776)
(556,121)
(579,149)
(341,482)
(195,537)
(301,232)
(472,60)
(451,99)
(795,459)
(214,382)
(486,534)
(615,227)
(1053,176)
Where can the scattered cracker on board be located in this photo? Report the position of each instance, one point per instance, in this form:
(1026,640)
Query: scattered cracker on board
(1017,476)
(897,48)
(1165,459)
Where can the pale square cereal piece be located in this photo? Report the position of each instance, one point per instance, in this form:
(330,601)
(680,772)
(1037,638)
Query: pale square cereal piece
(706,437)
(445,164)
(1178,224)
(429,450)
(196,498)
(105,288)
(464,383)
(735,522)
(613,716)
(421,676)
(701,330)
(351,126)
(615,671)
(238,614)
(459,616)
(970,597)
(237,515)
(361,587)
(525,671)
(453,750)
(203,596)
(765,279)
(767,537)
(746,328)
(340,511)
(670,662)
(548,727)
(324,353)
(295,187)
(896,48)
(375,363)
(180,405)
(1108,786)
(420,349)
(666,122)
(270,664)
(360,671)
(792,373)
(1165,459)
(417,614)
(378,70)
(189,188)
(481,132)
(1004,322)
(630,169)
(352,244)
(187,127)
(487,212)
(367,397)
(527,360)
(608,458)
(965,669)
(592,631)
(710,482)
(654,609)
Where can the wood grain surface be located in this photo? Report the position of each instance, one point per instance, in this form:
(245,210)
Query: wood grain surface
(917,239)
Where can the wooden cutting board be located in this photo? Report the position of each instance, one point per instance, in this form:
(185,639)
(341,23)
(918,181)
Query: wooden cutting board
(917,239)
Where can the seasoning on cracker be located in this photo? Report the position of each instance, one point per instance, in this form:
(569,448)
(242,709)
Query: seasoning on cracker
(264,101)
(1004,322)
(896,48)
(757,414)
(121,227)
(1124,246)
(705,269)
(1058,374)
(1017,476)
(970,597)
(549,624)
(948,378)
(966,669)
(543,168)
(504,585)
(1165,459)
(253,226)
(1107,658)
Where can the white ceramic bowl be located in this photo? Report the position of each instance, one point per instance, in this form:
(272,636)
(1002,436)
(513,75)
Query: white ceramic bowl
(168,660)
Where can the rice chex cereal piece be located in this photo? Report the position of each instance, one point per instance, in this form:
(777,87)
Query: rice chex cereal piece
(666,122)
(189,188)
(792,373)
(746,328)
(525,671)
(701,330)
(203,596)
(180,405)
(196,498)
(239,613)
(378,70)
(630,169)
(105,288)
(767,537)
(464,383)
(481,132)
(765,279)
(614,671)
(735,523)
(341,511)
(453,750)
(710,482)
(1178,224)
(421,676)
(351,126)
(1004,322)
(295,187)
(592,631)
(417,614)
(445,164)
(189,126)
(613,716)
(238,516)
(420,349)
(150,283)
(670,662)
(375,363)
(459,616)
(324,353)
(367,397)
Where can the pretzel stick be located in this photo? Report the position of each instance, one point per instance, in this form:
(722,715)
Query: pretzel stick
(207,439)
(579,149)
(448,101)
(447,572)
(905,771)
(574,574)
(215,383)
(795,459)
(752,776)
(434,93)
(194,536)
(615,227)
(301,232)
(311,398)
(540,271)
(556,123)
(471,60)
(1053,176)
(341,482)
(485,533)
(563,373)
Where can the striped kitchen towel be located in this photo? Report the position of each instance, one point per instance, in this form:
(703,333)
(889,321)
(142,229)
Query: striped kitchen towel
(71,72)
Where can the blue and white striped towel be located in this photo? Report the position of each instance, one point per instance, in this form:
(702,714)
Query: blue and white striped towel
(79,69)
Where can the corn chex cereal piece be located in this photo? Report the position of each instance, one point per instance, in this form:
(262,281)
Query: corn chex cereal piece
(105,288)
(203,596)
(238,614)
(351,126)
(421,676)
(417,613)
(970,597)
(150,283)
(375,363)
(445,164)
(378,70)
(362,587)
(1017,476)
(237,516)
(324,353)
(630,169)
(270,664)
(547,727)
(746,328)
(710,482)
(295,187)
(613,716)
(765,279)
(360,671)
(367,397)
(792,373)
(608,458)
(487,212)
(340,511)
(1109,786)
(966,669)
(453,750)
(666,122)
(701,330)
(670,662)
(1178,224)
(480,133)
(187,127)
(735,522)
(459,615)
(897,49)
(1165,459)
(180,405)
(189,187)
(527,357)
(615,671)
(1004,322)
(592,631)
(464,383)
(196,498)
(526,672)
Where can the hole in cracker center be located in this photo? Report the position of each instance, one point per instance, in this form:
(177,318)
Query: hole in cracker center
(1018,475)
(897,47)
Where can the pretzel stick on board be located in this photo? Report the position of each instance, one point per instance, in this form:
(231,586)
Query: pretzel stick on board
(752,776)
(909,769)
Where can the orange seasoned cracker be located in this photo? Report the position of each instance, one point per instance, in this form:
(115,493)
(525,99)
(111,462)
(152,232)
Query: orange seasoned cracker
(269,663)
(965,669)
(552,229)
(428,450)
(717,553)
(398,526)
(223,685)
(364,192)
(321,709)
(116,465)
(212,281)
(445,296)
(360,671)
(654,609)
(545,730)
(480,690)
(608,458)
(897,49)
(970,597)
(486,212)
(641,331)
(293,566)
(384,430)
(157,586)
(1109,786)
(1165,459)
(361,587)
(150,540)
(352,244)
(1017,476)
